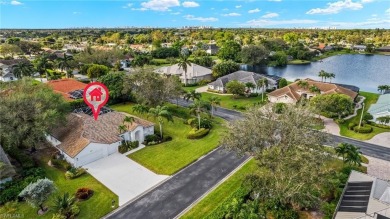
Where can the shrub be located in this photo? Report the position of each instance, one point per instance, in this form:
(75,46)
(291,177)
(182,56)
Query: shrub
(204,123)
(351,125)
(363,129)
(253,95)
(203,82)
(58,216)
(22,158)
(61,164)
(339,121)
(196,134)
(379,125)
(167,138)
(74,173)
(83,193)
(150,138)
(122,149)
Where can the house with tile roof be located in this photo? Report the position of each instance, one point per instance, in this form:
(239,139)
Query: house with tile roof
(68,88)
(195,73)
(244,77)
(364,196)
(381,108)
(292,93)
(84,140)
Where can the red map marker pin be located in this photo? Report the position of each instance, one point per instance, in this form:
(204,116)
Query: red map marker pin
(95,96)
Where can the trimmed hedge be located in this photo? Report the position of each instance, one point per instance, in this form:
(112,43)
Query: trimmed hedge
(74,173)
(197,134)
(351,125)
(362,129)
(380,125)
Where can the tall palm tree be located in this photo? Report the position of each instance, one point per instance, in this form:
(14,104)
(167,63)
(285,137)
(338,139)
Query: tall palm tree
(249,86)
(382,88)
(321,74)
(341,150)
(330,76)
(214,102)
(198,107)
(122,128)
(192,95)
(63,63)
(128,120)
(42,64)
(159,113)
(350,153)
(183,64)
(263,83)
(23,69)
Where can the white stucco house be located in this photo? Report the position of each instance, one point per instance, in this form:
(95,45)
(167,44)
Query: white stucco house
(381,108)
(84,140)
(6,73)
(195,73)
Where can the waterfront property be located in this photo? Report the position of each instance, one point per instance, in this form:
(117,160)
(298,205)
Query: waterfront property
(383,49)
(381,108)
(195,73)
(307,89)
(84,140)
(244,77)
(364,195)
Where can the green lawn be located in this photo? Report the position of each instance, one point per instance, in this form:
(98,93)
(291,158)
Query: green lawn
(227,101)
(344,131)
(191,88)
(298,62)
(169,157)
(95,207)
(219,195)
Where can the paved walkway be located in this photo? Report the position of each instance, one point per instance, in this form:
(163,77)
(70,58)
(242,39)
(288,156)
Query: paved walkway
(123,176)
(378,168)
(201,89)
(331,126)
(358,107)
(382,139)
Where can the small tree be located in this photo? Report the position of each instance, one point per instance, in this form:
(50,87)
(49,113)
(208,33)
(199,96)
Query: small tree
(198,107)
(37,193)
(263,83)
(184,63)
(350,153)
(282,83)
(65,204)
(192,95)
(96,71)
(214,102)
(161,112)
(224,68)
(236,88)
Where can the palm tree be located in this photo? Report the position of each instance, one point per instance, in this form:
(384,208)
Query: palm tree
(330,76)
(263,83)
(249,86)
(23,69)
(314,89)
(42,64)
(214,102)
(183,64)
(63,63)
(349,153)
(192,95)
(341,150)
(321,74)
(141,109)
(122,128)
(159,113)
(382,88)
(128,120)
(198,107)
(63,204)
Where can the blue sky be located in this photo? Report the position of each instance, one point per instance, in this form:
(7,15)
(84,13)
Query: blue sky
(176,13)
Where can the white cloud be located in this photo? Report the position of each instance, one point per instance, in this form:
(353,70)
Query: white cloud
(201,19)
(76,12)
(160,5)
(139,9)
(176,13)
(238,6)
(225,9)
(128,5)
(388,11)
(372,23)
(265,22)
(190,4)
(367,1)
(231,15)
(270,15)
(14,2)
(375,15)
(256,10)
(336,7)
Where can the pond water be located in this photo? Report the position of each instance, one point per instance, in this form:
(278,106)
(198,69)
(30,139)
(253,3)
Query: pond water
(364,71)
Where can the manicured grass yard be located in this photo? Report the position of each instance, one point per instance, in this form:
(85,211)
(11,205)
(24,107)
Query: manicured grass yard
(95,207)
(219,195)
(191,88)
(227,101)
(169,157)
(298,62)
(344,131)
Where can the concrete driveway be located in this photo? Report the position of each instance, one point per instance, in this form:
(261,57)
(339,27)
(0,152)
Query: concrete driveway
(123,176)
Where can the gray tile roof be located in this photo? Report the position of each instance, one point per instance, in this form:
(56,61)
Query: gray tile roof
(244,77)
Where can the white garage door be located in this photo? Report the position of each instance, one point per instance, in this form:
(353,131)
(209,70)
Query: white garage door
(89,158)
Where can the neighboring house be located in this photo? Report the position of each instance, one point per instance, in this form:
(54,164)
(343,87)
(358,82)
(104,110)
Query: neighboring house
(293,92)
(364,196)
(381,107)
(84,140)
(69,88)
(383,49)
(6,73)
(244,77)
(360,48)
(195,73)
(6,169)
(212,49)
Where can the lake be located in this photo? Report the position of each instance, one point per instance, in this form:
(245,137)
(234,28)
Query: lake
(364,71)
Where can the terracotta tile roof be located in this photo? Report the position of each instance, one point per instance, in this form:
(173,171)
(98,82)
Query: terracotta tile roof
(326,88)
(64,86)
(81,130)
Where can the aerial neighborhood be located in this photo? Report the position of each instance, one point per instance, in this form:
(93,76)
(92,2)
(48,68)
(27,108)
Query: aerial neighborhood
(200,122)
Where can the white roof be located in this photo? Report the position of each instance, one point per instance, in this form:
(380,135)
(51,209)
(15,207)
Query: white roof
(193,71)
